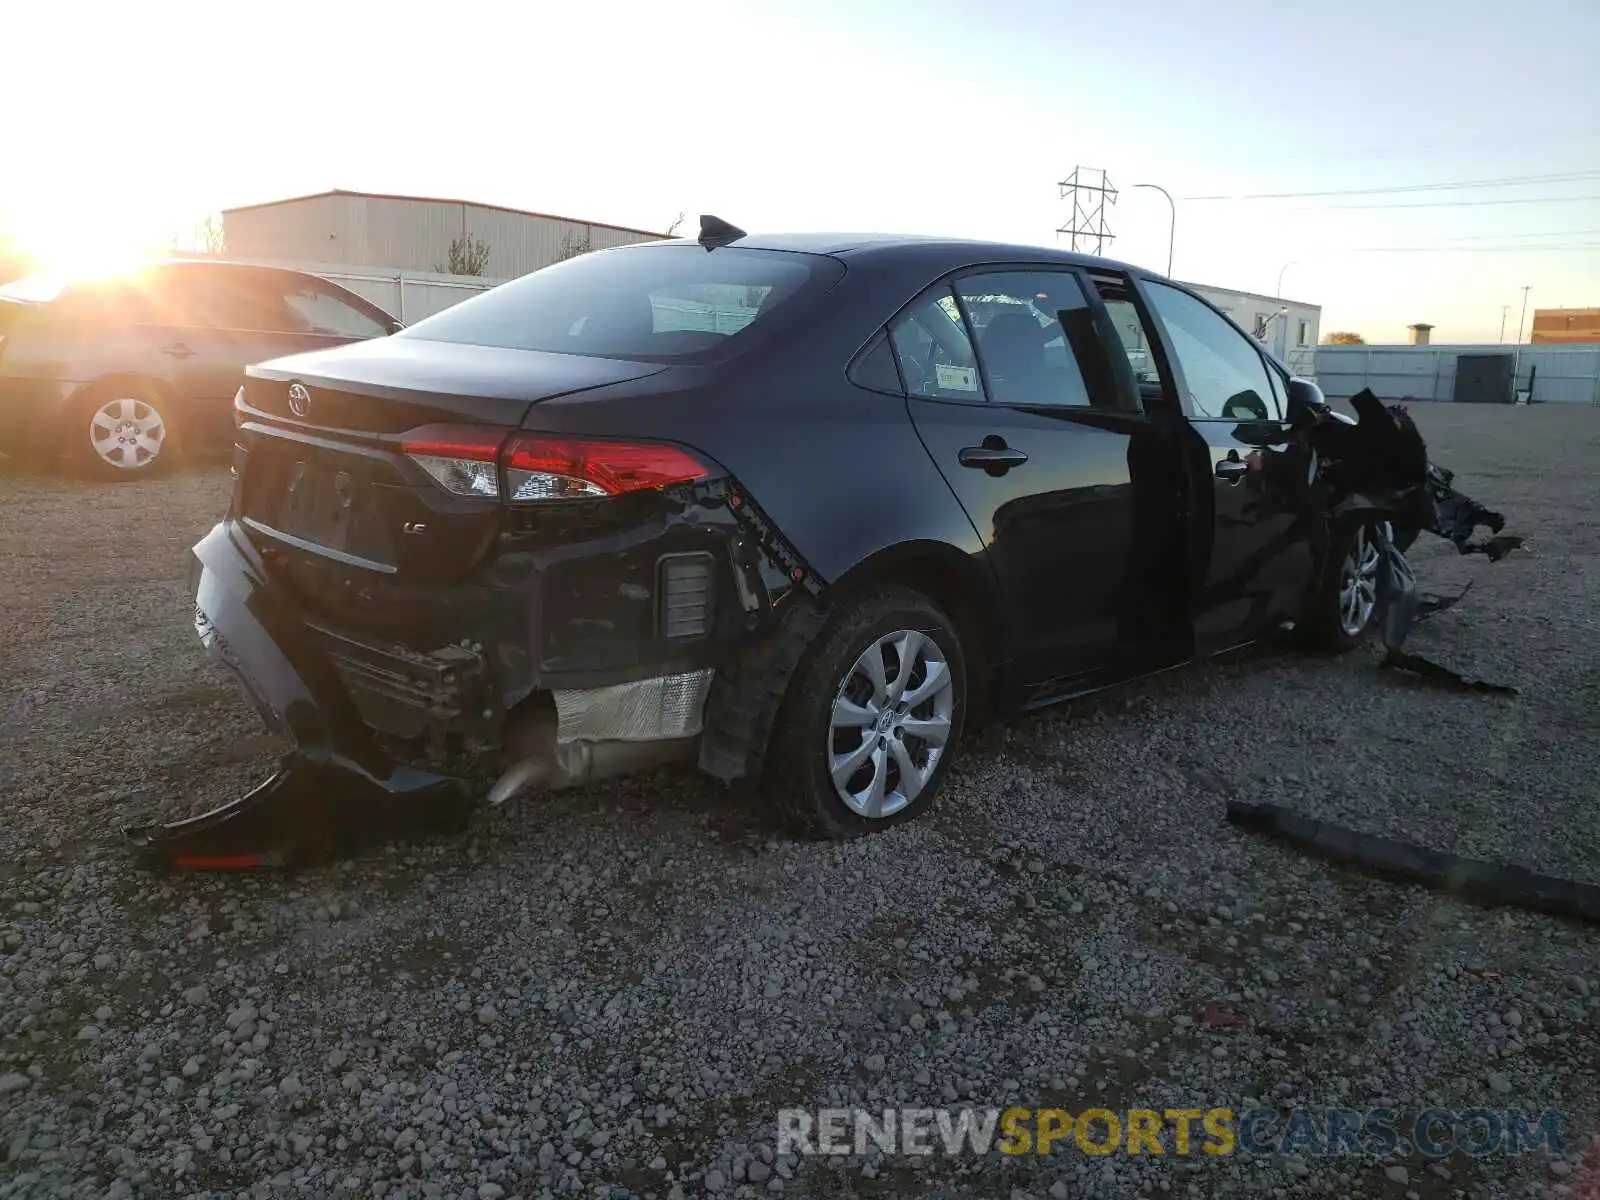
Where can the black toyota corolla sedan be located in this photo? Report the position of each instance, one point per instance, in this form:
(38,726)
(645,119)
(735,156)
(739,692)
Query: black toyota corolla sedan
(798,508)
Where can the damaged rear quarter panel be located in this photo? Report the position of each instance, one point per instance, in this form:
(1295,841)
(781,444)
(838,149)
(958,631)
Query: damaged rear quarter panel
(833,475)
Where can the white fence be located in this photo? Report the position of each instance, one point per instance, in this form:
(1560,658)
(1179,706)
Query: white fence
(1560,374)
(407,295)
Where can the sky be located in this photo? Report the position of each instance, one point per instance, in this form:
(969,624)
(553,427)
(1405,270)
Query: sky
(949,117)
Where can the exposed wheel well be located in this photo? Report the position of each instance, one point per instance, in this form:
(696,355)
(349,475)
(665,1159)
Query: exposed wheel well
(959,586)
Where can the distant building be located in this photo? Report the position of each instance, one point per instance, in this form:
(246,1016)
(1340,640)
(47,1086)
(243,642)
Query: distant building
(411,233)
(1566,325)
(1289,329)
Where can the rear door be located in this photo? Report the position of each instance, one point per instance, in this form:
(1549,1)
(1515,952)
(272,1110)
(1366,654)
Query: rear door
(1010,387)
(1256,558)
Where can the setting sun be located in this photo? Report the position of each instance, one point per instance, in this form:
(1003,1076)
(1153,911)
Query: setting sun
(79,244)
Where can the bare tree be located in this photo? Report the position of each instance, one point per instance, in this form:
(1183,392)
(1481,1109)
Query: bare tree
(676,221)
(203,237)
(469,255)
(213,236)
(573,245)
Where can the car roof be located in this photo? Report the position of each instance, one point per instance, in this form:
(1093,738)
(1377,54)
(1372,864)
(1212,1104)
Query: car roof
(945,252)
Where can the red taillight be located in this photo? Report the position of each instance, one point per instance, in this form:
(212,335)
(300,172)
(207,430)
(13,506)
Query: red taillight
(467,460)
(462,459)
(539,467)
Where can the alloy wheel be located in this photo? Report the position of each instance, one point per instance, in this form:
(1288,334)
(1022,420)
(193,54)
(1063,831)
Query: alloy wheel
(127,433)
(890,722)
(1358,583)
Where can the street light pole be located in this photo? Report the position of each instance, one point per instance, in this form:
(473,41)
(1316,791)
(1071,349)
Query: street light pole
(1524,315)
(1505,310)
(1172,225)
(1281,270)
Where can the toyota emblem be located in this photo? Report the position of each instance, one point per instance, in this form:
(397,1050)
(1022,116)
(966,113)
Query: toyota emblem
(299,399)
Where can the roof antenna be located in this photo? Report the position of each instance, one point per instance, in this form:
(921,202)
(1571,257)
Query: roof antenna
(714,232)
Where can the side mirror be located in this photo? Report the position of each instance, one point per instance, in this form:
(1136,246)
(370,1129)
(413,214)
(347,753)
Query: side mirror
(1305,403)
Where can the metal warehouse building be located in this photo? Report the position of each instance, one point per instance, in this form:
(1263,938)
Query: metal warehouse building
(410,233)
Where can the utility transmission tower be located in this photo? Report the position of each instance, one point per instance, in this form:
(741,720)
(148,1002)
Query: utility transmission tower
(1091,194)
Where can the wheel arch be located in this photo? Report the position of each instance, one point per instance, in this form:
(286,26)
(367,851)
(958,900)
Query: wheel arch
(961,585)
(748,692)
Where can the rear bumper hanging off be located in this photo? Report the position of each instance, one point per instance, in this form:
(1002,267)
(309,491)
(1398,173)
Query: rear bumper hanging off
(335,785)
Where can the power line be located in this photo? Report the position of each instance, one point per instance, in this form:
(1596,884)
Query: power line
(1468,249)
(1448,203)
(1491,237)
(1504,181)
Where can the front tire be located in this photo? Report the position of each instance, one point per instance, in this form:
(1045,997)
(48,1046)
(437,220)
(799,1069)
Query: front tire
(871,718)
(122,432)
(1343,608)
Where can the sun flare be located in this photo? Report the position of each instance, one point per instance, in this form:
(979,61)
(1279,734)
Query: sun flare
(74,245)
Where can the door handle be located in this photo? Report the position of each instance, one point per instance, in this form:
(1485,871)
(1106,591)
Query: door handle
(177,350)
(1233,468)
(994,456)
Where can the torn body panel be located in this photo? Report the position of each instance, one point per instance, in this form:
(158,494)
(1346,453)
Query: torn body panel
(1377,472)
(335,784)
(578,657)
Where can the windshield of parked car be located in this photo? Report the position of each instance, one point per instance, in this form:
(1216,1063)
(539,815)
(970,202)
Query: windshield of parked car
(673,303)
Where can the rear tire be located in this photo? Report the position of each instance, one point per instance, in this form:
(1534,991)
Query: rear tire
(120,432)
(1343,606)
(871,718)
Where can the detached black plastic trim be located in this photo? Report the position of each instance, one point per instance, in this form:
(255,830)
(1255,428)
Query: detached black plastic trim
(1407,862)
(307,813)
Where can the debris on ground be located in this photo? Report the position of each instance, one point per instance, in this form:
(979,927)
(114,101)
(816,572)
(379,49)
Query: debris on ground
(1407,862)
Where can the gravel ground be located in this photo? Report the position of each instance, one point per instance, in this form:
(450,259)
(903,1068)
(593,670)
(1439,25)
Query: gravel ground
(613,992)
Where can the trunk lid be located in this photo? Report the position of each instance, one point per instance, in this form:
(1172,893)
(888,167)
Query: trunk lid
(389,385)
(325,485)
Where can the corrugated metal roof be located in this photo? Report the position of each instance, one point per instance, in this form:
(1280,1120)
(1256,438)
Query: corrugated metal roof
(521,212)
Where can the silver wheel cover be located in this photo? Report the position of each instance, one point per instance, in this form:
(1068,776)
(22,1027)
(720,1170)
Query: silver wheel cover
(1358,583)
(126,433)
(890,723)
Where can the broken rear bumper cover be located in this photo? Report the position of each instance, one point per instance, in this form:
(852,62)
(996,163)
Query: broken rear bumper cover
(335,781)
(336,699)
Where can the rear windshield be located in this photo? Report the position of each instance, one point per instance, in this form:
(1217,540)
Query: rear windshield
(675,303)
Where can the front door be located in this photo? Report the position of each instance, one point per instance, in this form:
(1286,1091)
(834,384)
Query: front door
(1255,562)
(1009,388)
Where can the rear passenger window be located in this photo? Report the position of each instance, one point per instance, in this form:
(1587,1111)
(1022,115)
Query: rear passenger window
(936,359)
(1022,321)
(236,299)
(314,309)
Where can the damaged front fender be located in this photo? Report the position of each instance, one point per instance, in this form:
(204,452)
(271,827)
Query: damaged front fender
(1378,474)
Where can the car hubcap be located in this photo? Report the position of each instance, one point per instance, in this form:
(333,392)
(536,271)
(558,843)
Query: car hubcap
(127,433)
(1358,583)
(890,722)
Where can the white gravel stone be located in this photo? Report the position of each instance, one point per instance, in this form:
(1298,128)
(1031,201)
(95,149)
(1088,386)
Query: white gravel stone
(663,972)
